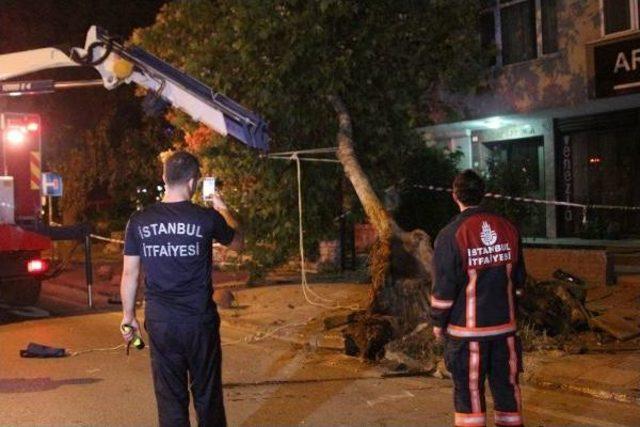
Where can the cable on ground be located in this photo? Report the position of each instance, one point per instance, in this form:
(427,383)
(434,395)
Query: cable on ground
(93,350)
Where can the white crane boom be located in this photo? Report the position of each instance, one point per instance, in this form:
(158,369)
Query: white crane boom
(118,64)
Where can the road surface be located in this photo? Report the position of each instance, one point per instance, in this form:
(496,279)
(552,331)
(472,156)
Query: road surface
(268,382)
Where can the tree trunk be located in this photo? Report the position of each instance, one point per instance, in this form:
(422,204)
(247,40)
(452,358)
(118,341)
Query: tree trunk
(400,262)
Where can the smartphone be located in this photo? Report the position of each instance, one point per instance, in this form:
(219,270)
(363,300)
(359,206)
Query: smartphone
(208,188)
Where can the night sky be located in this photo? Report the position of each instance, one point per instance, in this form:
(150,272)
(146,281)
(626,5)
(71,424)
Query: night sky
(30,24)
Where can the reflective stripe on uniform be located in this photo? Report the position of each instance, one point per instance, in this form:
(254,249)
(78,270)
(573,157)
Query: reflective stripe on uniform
(442,304)
(474,376)
(508,418)
(471,298)
(478,419)
(465,332)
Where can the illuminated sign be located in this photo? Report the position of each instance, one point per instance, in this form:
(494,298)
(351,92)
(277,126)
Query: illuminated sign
(617,68)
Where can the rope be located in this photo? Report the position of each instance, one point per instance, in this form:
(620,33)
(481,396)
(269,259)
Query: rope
(288,155)
(259,336)
(306,159)
(325,150)
(306,289)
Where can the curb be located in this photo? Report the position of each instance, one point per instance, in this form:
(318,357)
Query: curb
(595,390)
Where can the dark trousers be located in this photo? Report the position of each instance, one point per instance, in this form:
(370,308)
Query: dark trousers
(183,356)
(470,363)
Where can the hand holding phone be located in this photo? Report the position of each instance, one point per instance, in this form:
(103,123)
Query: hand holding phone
(217,202)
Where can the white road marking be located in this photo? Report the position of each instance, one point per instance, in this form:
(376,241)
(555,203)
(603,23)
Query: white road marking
(390,397)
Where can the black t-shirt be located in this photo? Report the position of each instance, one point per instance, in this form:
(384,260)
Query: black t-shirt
(174,242)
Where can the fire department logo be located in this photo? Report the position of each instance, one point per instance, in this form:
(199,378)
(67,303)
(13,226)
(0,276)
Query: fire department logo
(487,235)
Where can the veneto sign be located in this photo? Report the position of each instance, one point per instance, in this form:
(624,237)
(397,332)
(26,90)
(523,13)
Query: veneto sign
(617,68)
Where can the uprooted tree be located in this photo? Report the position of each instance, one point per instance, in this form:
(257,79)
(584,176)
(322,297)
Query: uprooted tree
(400,261)
(381,66)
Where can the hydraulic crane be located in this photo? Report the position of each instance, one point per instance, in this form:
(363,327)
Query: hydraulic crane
(20,239)
(118,65)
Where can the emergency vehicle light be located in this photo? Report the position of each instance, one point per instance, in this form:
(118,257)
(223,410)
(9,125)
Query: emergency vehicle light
(15,135)
(37,266)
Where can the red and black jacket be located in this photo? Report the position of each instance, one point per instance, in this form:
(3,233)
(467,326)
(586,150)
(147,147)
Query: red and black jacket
(477,266)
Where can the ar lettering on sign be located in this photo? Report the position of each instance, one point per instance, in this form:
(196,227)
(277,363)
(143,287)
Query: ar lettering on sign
(623,63)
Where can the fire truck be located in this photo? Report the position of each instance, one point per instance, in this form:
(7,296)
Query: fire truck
(23,235)
(21,264)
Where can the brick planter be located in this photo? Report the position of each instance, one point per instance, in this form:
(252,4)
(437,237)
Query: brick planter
(594,266)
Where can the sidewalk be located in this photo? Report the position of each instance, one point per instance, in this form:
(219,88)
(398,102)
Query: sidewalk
(281,310)
(605,376)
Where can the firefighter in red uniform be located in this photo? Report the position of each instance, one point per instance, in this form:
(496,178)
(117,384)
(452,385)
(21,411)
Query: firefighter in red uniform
(477,269)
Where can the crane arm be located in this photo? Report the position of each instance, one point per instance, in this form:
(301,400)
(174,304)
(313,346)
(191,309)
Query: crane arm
(118,65)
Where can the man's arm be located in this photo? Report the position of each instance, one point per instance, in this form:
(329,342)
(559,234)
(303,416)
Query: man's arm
(237,244)
(128,289)
(445,282)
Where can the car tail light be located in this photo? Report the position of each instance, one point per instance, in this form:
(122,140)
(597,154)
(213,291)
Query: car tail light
(37,266)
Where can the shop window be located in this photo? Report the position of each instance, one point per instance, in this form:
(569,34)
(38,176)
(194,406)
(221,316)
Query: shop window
(519,30)
(617,15)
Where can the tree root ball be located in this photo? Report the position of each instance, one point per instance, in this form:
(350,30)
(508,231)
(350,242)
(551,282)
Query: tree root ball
(368,335)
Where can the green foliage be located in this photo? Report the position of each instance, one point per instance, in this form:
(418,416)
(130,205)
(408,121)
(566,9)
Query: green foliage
(281,58)
(106,165)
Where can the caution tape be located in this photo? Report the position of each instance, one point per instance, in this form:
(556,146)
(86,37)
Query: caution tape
(537,201)
(107,239)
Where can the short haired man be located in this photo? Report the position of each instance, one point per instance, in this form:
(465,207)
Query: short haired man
(172,239)
(477,266)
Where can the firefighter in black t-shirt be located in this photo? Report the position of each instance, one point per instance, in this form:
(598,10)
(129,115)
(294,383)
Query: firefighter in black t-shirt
(172,241)
(477,268)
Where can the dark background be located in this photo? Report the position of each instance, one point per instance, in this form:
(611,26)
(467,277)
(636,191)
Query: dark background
(31,24)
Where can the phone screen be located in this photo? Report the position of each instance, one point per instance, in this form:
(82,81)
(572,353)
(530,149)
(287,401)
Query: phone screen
(208,187)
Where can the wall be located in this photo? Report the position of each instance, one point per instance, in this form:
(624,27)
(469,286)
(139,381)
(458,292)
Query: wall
(557,80)
(593,266)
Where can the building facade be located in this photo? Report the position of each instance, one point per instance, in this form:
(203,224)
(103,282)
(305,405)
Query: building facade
(562,104)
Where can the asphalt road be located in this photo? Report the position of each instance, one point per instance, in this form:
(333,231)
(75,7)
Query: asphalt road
(269,382)
(56,300)
(266,382)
